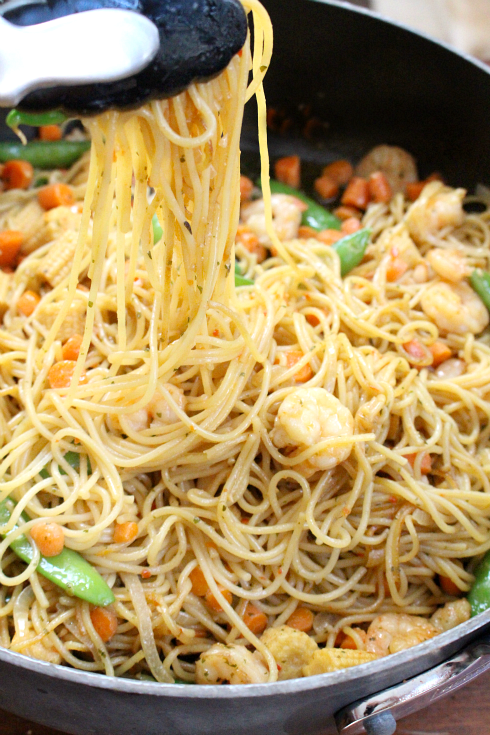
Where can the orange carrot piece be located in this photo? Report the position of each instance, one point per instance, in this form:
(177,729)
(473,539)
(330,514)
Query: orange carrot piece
(301,619)
(425,464)
(356,193)
(326,187)
(414,190)
(10,244)
(50,132)
(351,225)
(71,348)
(379,187)
(145,574)
(447,585)
(61,373)
(255,619)
(28,302)
(213,603)
(55,195)
(17,174)
(199,585)
(246,188)
(440,353)
(303,375)
(340,171)
(104,621)
(328,237)
(396,269)
(313,320)
(49,538)
(344,213)
(348,642)
(126,532)
(306,233)
(288,171)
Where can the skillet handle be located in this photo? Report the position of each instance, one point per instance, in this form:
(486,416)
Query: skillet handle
(377,714)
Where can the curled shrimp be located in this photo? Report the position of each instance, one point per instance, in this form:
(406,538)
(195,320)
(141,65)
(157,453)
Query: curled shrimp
(309,416)
(454,308)
(395,632)
(398,166)
(158,412)
(449,264)
(233,663)
(286,213)
(437,208)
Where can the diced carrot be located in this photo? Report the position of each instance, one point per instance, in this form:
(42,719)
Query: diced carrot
(447,585)
(348,642)
(213,603)
(104,621)
(351,225)
(313,320)
(61,373)
(288,171)
(339,638)
(425,464)
(340,171)
(10,244)
(246,237)
(255,619)
(55,195)
(326,187)
(145,573)
(344,213)
(49,537)
(125,532)
(17,174)
(50,132)
(71,348)
(356,193)
(379,187)
(396,269)
(246,188)
(301,619)
(303,375)
(328,237)
(199,585)
(306,233)
(28,302)
(414,190)
(440,353)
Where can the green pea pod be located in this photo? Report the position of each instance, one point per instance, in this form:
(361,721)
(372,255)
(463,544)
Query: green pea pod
(69,570)
(17,117)
(242,281)
(157,229)
(73,459)
(316,216)
(351,249)
(45,154)
(479,594)
(480,282)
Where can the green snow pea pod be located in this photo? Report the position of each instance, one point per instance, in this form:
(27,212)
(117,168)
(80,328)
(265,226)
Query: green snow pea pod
(34,119)
(69,570)
(351,249)
(479,594)
(480,282)
(73,459)
(45,154)
(157,229)
(316,216)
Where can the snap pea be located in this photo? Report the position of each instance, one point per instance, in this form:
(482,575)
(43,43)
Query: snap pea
(35,119)
(73,459)
(157,229)
(316,216)
(479,594)
(480,282)
(45,154)
(241,280)
(69,570)
(351,249)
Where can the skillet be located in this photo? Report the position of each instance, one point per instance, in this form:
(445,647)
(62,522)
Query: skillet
(364,81)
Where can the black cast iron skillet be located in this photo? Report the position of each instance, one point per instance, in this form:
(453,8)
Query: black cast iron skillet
(367,81)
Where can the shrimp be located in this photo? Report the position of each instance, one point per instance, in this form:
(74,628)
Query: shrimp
(454,308)
(234,664)
(448,264)
(395,632)
(437,208)
(157,413)
(310,416)
(452,614)
(398,166)
(286,213)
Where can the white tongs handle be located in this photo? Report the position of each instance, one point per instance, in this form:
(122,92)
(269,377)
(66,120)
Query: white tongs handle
(101,45)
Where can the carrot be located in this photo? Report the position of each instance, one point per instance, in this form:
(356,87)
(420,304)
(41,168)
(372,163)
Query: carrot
(255,619)
(326,187)
(340,171)
(328,237)
(425,464)
(61,373)
(199,585)
(303,375)
(306,233)
(145,573)
(348,642)
(50,132)
(28,302)
(10,244)
(104,621)
(449,587)
(213,603)
(17,174)
(379,187)
(414,190)
(55,195)
(49,538)
(301,619)
(351,225)
(313,320)
(396,269)
(288,171)
(344,213)
(246,188)
(246,237)
(356,193)
(71,348)
(440,353)
(124,533)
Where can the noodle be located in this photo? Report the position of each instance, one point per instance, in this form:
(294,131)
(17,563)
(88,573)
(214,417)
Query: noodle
(173,409)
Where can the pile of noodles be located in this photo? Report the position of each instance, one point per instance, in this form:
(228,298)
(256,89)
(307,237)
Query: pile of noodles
(210,489)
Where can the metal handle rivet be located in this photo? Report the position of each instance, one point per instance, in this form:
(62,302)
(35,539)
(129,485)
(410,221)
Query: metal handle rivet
(382,724)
